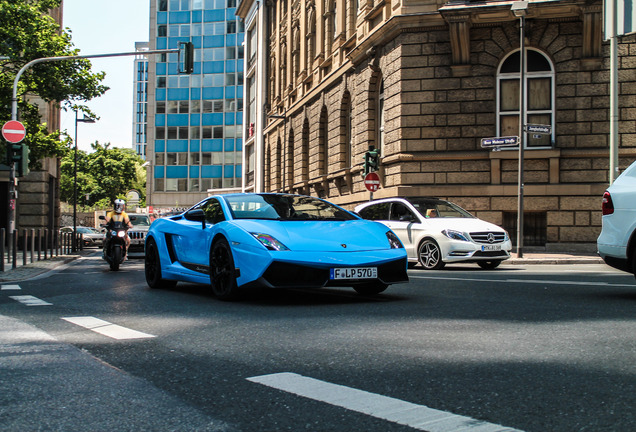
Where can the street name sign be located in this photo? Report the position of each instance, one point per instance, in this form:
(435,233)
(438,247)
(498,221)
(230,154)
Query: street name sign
(13,131)
(537,128)
(500,141)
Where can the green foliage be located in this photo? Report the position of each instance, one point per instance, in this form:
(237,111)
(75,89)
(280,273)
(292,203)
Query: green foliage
(104,174)
(27,32)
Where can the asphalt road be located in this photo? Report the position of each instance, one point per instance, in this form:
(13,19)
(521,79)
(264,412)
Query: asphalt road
(530,348)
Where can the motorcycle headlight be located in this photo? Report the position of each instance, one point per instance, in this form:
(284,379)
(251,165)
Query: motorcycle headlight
(455,235)
(113,233)
(394,241)
(121,234)
(270,242)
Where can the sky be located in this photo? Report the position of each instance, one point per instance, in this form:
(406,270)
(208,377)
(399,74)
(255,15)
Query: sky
(99,28)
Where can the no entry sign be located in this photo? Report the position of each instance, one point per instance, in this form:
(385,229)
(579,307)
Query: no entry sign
(372,181)
(13,131)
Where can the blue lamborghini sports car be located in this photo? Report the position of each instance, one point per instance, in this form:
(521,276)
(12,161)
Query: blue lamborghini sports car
(272,240)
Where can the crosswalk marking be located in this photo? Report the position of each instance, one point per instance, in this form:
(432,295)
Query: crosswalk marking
(10,287)
(105,328)
(29,300)
(394,410)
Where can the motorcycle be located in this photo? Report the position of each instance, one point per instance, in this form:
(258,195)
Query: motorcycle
(114,251)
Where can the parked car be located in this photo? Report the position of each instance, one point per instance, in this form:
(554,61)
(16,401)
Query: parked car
(91,236)
(617,242)
(436,232)
(274,241)
(137,234)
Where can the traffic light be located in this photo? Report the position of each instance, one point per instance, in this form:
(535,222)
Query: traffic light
(371,160)
(186,57)
(18,154)
(22,166)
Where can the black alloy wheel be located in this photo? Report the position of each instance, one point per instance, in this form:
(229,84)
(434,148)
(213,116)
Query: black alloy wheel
(152,267)
(222,271)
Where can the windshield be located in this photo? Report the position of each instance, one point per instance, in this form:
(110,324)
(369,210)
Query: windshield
(140,220)
(284,207)
(84,230)
(430,207)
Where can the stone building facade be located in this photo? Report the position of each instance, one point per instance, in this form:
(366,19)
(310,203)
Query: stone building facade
(424,81)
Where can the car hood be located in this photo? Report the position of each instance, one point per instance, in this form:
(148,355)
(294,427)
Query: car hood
(466,225)
(325,236)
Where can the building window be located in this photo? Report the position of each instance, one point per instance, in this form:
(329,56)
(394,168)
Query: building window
(346,134)
(380,117)
(539,96)
(323,143)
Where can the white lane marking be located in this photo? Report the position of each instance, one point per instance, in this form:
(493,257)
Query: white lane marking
(530,281)
(394,410)
(28,300)
(107,329)
(10,287)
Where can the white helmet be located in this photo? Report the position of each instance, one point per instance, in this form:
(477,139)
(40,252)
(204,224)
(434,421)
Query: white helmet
(119,205)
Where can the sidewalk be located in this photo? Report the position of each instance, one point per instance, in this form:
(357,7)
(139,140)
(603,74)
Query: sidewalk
(36,268)
(25,272)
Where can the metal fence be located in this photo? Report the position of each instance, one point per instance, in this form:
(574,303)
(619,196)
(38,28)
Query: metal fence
(32,245)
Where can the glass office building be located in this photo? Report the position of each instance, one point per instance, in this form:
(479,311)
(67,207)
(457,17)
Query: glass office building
(195,133)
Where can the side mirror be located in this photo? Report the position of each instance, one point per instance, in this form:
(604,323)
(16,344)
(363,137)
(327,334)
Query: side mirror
(102,217)
(196,215)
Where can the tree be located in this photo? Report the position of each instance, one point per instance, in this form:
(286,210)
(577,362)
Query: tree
(27,32)
(104,174)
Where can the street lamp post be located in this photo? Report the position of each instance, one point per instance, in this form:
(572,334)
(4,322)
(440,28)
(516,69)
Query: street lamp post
(520,9)
(77,120)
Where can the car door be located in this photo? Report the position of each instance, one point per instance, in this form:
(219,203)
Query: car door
(401,221)
(192,243)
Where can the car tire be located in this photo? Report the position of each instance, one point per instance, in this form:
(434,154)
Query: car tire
(489,265)
(152,267)
(430,255)
(371,288)
(222,271)
(634,261)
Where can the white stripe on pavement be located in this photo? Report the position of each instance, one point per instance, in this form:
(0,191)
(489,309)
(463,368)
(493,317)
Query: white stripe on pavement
(10,287)
(529,281)
(394,410)
(28,300)
(107,329)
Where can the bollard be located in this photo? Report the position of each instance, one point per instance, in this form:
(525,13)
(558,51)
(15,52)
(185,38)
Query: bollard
(25,241)
(39,243)
(32,244)
(14,248)
(2,238)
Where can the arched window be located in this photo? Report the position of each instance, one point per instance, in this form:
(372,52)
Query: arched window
(346,135)
(277,173)
(288,183)
(323,143)
(304,152)
(539,96)
(311,37)
(380,119)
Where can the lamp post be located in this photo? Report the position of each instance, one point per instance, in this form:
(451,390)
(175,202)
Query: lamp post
(77,120)
(520,9)
(284,161)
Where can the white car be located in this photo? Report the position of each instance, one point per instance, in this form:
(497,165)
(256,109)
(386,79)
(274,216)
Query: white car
(436,232)
(617,242)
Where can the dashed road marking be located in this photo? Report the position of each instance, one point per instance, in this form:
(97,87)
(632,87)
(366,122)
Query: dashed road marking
(28,300)
(107,329)
(10,287)
(394,410)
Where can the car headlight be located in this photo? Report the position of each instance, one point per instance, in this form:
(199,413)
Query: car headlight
(394,241)
(455,235)
(270,242)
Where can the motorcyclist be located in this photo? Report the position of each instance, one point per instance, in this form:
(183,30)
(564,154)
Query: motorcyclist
(119,215)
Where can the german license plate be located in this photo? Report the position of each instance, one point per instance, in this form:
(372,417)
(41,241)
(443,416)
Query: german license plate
(354,273)
(490,248)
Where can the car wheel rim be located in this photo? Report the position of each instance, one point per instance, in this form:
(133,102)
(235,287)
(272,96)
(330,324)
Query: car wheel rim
(223,272)
(429,255)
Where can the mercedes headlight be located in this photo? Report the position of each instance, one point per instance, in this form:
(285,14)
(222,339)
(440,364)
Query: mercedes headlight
(455,235)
